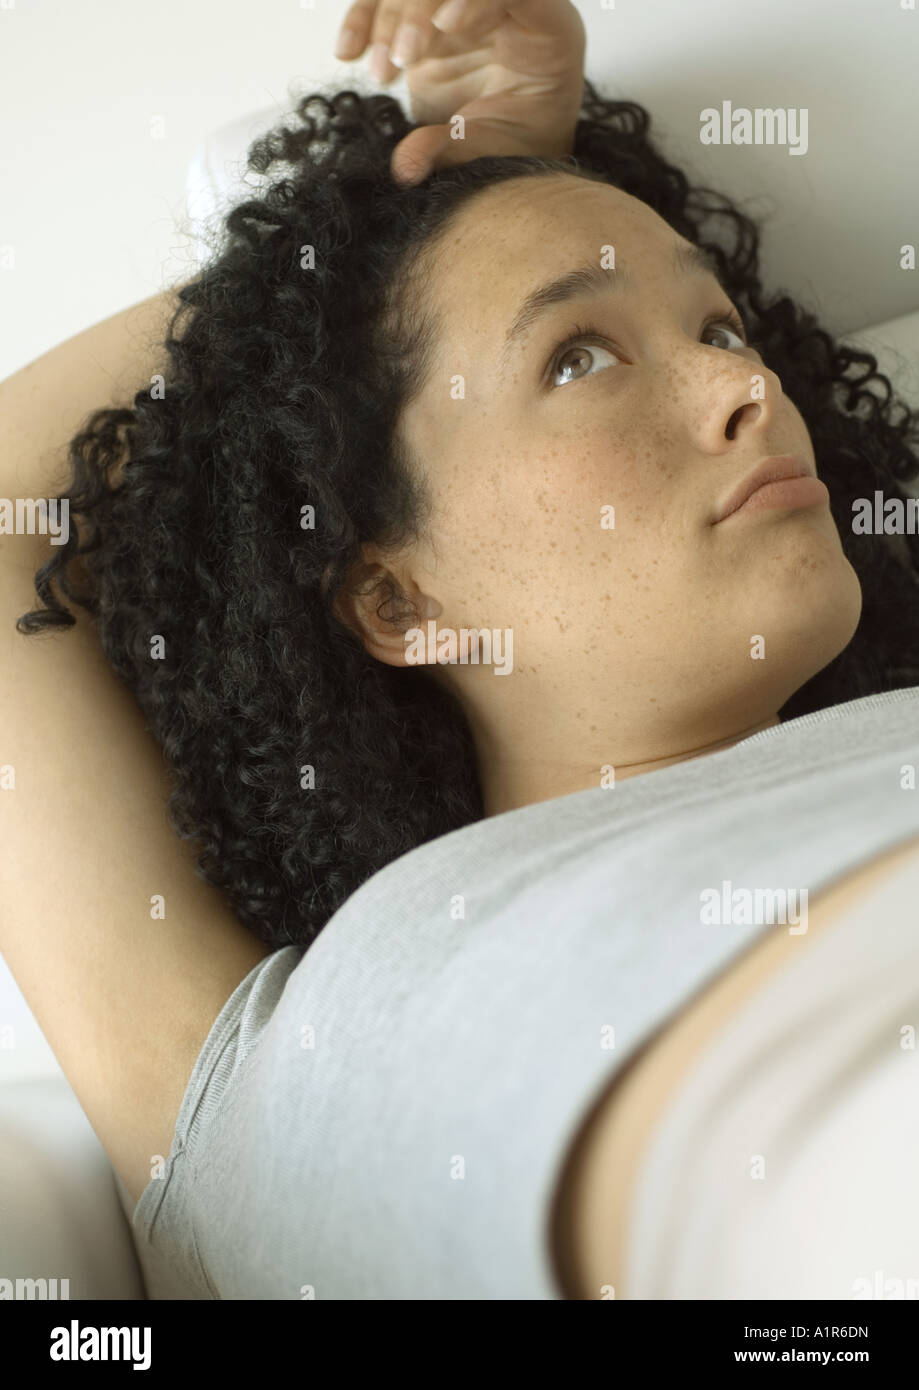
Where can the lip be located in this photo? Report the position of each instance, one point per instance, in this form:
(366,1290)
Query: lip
(775,469)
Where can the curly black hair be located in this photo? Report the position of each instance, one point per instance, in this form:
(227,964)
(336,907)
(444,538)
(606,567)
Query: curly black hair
(291,357)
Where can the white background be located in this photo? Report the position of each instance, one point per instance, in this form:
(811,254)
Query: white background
(93,205)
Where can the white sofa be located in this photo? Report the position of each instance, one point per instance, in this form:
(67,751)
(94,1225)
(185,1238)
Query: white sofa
(59,1212)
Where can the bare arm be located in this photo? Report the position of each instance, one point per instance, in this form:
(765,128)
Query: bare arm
(125,1000)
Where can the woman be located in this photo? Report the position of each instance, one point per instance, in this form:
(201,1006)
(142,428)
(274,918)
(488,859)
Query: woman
(383,409)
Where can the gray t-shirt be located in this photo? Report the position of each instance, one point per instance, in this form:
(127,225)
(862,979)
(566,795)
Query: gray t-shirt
(386,1115)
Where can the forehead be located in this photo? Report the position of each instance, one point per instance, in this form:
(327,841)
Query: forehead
(529,202)
(514,235)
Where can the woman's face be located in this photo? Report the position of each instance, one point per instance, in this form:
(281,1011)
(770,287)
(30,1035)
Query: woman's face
(652,639)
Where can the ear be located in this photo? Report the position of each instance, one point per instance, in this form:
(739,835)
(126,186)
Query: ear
(384,609)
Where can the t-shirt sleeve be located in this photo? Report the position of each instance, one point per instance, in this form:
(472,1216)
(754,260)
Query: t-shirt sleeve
(163,1222)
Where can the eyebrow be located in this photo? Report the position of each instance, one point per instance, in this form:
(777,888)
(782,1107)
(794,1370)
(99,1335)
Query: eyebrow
(688,259)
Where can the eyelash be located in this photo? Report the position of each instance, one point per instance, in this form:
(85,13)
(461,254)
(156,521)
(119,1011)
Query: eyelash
(584,333)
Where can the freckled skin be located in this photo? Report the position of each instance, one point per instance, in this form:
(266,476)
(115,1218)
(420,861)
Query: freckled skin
(631,644)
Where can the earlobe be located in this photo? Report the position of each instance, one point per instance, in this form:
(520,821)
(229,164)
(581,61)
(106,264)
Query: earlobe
(377,609)
(388,645)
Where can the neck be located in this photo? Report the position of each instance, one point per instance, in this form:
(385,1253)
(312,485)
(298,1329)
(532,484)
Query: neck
(509,781)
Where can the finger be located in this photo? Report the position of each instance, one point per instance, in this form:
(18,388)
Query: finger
(385,23)
(412,159)
(355,30)
(403,33)
(432,147)
(415,33)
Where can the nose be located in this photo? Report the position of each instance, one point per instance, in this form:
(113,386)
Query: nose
(743,397)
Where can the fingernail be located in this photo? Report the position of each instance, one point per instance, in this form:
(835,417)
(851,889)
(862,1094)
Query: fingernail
(407,46)
(449,14)
(378,61)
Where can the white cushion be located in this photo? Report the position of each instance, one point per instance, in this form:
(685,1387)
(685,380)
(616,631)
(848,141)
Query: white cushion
(60,1217)
(896,346)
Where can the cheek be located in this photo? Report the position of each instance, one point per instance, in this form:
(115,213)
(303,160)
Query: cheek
(517,514)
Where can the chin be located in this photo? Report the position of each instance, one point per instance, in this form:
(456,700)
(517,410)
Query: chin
(820,613)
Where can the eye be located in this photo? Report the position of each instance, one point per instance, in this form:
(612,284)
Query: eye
(731,321)
(579,344)
(586,340)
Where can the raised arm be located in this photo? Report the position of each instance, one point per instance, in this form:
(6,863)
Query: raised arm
(125,998)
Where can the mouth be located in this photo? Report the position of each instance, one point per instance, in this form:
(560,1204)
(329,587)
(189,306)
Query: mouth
(783,481)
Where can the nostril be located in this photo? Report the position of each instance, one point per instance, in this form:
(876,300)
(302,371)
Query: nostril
(733,422)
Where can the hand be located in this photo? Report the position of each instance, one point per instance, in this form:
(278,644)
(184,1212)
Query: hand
(513,71)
